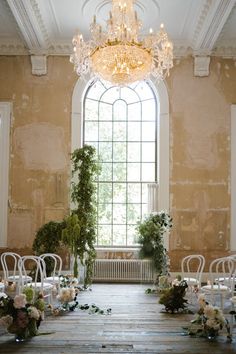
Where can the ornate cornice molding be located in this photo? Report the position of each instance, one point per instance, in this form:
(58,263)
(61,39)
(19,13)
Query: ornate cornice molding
(30,23)
(211,20)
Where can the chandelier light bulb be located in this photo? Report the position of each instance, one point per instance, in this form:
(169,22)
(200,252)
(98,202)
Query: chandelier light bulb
(120,54)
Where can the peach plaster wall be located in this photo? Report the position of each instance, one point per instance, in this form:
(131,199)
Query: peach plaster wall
(199,141)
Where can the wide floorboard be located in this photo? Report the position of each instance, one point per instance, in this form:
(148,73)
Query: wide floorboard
(136,325)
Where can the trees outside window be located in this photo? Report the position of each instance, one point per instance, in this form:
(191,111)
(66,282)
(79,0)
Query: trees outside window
(121,123)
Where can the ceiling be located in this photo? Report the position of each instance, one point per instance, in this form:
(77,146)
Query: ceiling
(198,27)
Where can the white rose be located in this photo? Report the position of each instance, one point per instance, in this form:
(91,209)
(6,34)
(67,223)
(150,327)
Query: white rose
(19,301)
(6,321)
(33,313)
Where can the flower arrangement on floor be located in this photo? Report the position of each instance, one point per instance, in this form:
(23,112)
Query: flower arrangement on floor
(208,321)
(23,314)
(173,297)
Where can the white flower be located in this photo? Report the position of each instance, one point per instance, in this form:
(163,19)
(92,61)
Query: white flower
(33,313)
(66,295)
(19,301)
(201,300)
(209,311)
(175,282)
(6,321)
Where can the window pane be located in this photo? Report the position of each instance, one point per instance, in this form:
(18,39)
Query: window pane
(132,235)
(149,110)
(91,131)
(133,172)
(134,131)
(119,213)
(105,111)
(133,213)
(148,172)
(120,110)
(105,192)
(119,235)
(119,152)
(105,151)
(134,111)
(119,172)
(105,131)
(148,152)
(129,95)
(111,95)
(105,213)
(144,193)
(119,192)
(134,152)
(104,235)
(95,91)
(134,193)
(106,172)
(144,90)
(148,131)
(119,131)
(91,110)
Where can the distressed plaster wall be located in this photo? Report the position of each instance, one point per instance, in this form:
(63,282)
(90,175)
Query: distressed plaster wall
(200,159)
(40,144)
(199,141)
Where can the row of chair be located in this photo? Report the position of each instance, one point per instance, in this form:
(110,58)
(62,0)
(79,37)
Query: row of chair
(221,280)
(16,269)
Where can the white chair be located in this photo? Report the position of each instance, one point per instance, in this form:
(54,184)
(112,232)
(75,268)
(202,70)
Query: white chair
(191,269)
(56,263)
(38,282)
(9,261)
(221,281)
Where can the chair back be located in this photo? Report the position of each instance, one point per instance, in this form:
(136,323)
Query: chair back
(9,261)
(56,263)
(221,272)
(192,267)
(35,265)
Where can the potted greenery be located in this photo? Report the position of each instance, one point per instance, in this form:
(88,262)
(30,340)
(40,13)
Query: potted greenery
(151,231)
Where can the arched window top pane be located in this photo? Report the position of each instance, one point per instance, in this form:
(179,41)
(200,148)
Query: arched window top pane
(96,90)
(111,95)
(144,90)
(120,110)
(129,95)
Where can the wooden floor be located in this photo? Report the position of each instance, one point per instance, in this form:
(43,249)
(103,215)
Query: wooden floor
(136,325)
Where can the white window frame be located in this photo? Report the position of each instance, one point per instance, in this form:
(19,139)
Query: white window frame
(164,146)
(5,118)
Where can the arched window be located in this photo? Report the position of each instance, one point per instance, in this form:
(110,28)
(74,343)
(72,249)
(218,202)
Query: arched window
(122,124)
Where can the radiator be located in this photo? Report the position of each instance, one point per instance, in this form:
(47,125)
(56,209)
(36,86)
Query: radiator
(123,270)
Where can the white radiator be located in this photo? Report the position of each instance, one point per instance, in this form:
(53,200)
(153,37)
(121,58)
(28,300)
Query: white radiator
(123,270)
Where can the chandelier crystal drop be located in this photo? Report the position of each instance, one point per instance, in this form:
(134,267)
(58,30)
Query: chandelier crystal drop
(119,55)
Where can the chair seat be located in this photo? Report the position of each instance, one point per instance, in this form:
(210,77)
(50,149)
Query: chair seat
(16,278)
(55,279)
(216,288)
(191,281)
(38,285)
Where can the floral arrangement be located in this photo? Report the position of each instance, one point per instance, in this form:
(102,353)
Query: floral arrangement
(208,321)
(23,314)
(173,297)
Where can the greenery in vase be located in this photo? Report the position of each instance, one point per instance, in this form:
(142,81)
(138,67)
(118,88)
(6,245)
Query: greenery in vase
(84,172)
(173,298)
(151,231)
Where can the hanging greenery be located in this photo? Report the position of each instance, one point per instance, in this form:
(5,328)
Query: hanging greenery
(151,231)
(85,169)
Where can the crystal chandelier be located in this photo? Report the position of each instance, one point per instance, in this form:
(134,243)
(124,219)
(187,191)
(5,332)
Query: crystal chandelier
(119,55)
